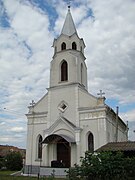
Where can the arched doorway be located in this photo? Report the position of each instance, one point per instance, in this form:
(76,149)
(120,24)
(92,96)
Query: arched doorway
(63,153)
(63,149)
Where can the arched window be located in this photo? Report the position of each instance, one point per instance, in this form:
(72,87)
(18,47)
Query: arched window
(90,143)
(81,48)
(63,46)
(40,147)
(55,49)
(74,46)
(64,71)
(81,73)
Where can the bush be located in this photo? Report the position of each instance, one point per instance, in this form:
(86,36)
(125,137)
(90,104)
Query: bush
(102,166)
(14,161)
(2,163)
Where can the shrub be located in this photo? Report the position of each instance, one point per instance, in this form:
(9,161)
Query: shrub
(102,166)
(14,161)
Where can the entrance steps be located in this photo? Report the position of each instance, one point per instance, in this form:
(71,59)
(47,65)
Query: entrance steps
(44,171)
(56,172)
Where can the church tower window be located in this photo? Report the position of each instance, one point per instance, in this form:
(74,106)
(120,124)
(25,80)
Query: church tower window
(63,106)
(40,147)
(64,71)
(81,48)
(55,49)
(81,73)
(90,143)
(63,46)
(74,46)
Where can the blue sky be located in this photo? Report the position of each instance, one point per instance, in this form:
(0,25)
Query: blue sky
(27,31)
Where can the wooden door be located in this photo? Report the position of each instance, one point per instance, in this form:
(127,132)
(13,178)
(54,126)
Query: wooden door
(63,153)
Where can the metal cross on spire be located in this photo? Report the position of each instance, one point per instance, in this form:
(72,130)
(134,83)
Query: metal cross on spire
(101,93)
(69,2)
(32,103)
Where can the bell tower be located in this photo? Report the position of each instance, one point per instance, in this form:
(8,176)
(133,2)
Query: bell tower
(68,64)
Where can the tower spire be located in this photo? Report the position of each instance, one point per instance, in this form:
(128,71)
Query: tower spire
(69,26)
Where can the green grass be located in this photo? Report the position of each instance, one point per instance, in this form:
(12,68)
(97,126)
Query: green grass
(8,177)
(3,172)
(5,175)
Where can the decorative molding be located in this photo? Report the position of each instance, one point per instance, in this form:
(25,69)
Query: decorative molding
(92,115)
(39,120)
(64,86)
(63,106)
(93,109)
(38,114)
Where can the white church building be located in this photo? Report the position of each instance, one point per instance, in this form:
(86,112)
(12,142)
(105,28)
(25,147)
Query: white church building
(68,121)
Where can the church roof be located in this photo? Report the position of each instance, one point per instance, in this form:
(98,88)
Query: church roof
(69,26)
(55,138)
(118,146)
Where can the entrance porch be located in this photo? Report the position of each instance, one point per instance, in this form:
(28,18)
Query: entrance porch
(58,151)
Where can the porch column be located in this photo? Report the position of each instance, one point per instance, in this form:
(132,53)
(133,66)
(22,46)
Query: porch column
(78,152)
(46,156)
(77,138)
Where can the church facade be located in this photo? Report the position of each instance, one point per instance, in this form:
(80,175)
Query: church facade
(68,120)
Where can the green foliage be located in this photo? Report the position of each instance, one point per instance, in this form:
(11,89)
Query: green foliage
(14,161)
(103,166)
(2,163)
(74,173)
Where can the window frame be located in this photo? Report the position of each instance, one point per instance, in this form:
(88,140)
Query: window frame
(64,71)
(63,46)
(74,45)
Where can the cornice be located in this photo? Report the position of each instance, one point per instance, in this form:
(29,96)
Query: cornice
(35,114)
(66,85)
(70,51)
(92,109)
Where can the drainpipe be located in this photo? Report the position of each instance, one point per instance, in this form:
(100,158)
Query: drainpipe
(117,111)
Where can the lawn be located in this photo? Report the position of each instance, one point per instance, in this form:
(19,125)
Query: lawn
(5,175)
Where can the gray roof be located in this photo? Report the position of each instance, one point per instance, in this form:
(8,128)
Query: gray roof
(118,146)
(55,138)
(69,26)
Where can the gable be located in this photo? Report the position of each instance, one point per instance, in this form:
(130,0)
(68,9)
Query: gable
(42,104)
(62,126)
(86,99)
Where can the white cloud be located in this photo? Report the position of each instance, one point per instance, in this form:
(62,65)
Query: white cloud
(76,11)
(2,123)
(10,140)
(17,129)
(129,115)
(5,139)
(25,54)
(111,48)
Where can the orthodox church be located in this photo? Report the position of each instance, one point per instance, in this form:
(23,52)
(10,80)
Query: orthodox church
(68,121)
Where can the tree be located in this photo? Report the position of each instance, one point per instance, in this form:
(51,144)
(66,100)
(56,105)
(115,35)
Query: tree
(105,165)
(14,161)
(2,162)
